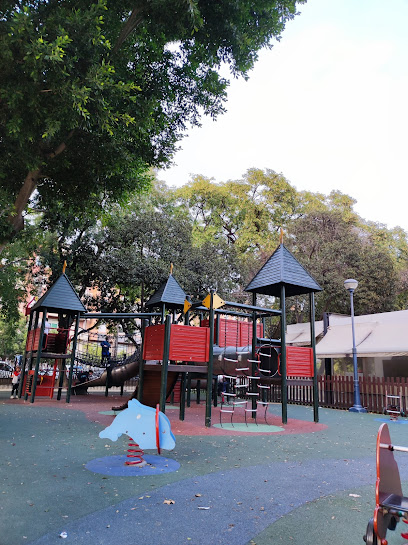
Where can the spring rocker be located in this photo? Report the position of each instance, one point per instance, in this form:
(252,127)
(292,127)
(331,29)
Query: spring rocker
(391,505)
(147,428)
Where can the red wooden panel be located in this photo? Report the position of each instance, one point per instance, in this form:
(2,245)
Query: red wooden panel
(228,333)
(33,338)
(153,342)
(189,343)
(299,361)
(245,337)
(235,333)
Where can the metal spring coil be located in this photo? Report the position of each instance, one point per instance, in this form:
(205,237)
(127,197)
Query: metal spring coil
(134,452)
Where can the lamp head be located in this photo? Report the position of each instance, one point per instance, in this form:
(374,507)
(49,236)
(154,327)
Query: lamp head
(350,284)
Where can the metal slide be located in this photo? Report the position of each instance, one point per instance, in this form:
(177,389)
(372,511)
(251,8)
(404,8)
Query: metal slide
(119,375)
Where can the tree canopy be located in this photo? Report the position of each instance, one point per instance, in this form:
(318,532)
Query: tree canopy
(92,94)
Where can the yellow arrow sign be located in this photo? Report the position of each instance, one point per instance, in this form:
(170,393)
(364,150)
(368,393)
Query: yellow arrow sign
(187,306)
(217,301)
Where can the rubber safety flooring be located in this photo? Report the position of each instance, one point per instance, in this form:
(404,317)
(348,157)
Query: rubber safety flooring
(308,484)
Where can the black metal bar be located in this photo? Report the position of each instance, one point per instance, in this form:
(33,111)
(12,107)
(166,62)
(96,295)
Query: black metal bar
(187,314)
(30,362)
(266,341)
(226,312)
(284,393)
(71,368)
(253,307)
(120,314)
(210,363)
(198,398)
(165,363)
(188,397)
(217,331)
(250,308)
(23,363)
(108,378)
(313,345)
(183,395)
(254,365)
(61,368)
(145,323)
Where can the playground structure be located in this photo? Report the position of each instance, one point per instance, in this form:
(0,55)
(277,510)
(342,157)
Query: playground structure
(230,342)
(391,506)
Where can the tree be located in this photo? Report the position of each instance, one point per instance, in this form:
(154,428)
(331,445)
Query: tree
(127,256)
(12,337)
(332,248)
(94,93)
(247,213)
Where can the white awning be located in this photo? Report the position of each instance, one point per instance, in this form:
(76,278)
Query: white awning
(386,340)
(338,341)
(377,335)
(299,334)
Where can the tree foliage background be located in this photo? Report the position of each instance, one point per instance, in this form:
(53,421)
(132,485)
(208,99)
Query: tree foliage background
(93,95)
(216,235)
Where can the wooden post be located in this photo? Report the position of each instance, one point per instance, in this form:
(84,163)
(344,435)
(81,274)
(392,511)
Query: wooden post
(313,345)
(284,394)
(210,363)
(165,363)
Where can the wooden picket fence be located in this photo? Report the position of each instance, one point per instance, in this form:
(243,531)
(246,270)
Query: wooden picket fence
(337,392)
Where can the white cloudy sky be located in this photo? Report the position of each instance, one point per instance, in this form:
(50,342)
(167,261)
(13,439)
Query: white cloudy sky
(327,107)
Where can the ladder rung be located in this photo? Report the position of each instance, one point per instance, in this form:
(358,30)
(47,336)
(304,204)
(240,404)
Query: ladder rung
(266,355)
(229,359)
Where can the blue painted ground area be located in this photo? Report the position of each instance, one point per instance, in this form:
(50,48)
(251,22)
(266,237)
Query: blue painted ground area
(115,466)
(241,502)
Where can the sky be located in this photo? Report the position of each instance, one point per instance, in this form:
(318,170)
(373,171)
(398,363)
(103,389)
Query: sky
(326,107)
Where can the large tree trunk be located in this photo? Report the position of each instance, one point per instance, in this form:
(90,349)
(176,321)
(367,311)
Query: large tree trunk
(30,183)
(16,218)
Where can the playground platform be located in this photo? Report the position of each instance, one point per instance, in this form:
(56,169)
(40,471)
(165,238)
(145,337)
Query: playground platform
(304,484)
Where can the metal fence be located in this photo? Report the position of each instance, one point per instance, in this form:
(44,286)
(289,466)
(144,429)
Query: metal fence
(337,392)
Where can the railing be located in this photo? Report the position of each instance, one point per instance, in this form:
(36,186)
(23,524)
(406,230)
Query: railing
(336,392)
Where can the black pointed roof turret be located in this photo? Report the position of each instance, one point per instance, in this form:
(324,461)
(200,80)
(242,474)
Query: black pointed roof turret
(282,268)
(60,296)
(170,293)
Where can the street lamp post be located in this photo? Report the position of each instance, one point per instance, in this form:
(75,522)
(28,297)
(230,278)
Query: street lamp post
(350,286)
